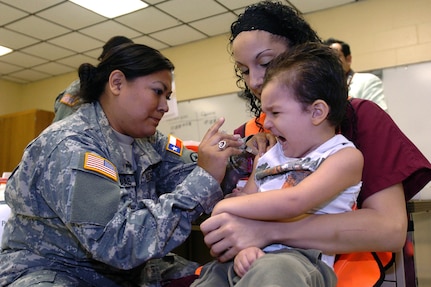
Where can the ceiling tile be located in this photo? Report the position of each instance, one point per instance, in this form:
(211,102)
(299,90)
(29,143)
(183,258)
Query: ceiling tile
(6,68)
(146,40)
(77,17)
(238,11)
(16,80)
(77,42)
(32,6)
(215,25)
(10,14)
(311,5)
(153,1)
(47,51)
(190,10)
(148,20)
(233,5)
(178,35)
(56,35)
(15,40)
(22,60)
(37,27)
(76,60)
(30,75)
(106,30)
(94,54)
(53,69)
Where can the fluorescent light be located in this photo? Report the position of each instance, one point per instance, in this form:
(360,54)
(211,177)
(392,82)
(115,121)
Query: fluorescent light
(111,8)
(4,50)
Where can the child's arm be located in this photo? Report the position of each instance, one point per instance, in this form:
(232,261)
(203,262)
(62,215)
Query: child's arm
(338,172)
(250,186)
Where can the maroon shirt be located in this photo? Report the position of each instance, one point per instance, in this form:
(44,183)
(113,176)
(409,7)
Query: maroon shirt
(389,156)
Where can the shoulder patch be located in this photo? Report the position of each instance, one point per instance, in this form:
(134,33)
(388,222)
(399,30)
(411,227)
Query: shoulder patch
(69,100)
(175,145)
(100,165)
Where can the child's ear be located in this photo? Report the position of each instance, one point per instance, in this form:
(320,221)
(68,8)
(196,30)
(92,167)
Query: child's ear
(319,112)
(349,59)
(116,80)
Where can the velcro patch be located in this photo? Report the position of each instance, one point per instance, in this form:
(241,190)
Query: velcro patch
(69,100)
(100,165)
(175,145)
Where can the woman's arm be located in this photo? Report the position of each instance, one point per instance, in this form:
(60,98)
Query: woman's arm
(381,225)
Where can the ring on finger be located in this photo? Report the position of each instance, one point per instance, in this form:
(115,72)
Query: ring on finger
(222,145)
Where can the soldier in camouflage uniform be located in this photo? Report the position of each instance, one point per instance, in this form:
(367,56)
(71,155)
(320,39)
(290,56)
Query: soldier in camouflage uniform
(101,198)
(68,101)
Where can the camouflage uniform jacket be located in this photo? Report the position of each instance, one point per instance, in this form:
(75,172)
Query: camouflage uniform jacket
(69,216)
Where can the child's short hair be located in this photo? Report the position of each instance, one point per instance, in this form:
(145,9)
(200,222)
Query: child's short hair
(312,71)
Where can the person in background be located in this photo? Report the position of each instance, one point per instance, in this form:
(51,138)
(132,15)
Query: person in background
(311,169)
(361,85)
(394,169)
(101,197)
(67,102)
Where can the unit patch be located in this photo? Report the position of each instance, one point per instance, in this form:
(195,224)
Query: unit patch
(175,145)
(100,165)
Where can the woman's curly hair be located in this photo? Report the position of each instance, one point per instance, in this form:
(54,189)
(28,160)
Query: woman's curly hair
(284,22)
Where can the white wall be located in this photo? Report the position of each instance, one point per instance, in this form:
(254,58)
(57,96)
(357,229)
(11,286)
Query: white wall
(408,94)
(197,116)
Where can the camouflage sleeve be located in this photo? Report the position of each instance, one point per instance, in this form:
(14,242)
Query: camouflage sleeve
(174,166)
(175,169)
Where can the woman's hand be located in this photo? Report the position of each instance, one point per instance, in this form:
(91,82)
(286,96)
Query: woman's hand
(215,149)
(261,142)
(226,235)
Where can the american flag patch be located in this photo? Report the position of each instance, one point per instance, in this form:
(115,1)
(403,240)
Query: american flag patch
(175,145)
(100,165)
(69,100)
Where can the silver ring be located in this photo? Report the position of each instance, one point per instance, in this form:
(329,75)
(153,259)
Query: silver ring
(222,145)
